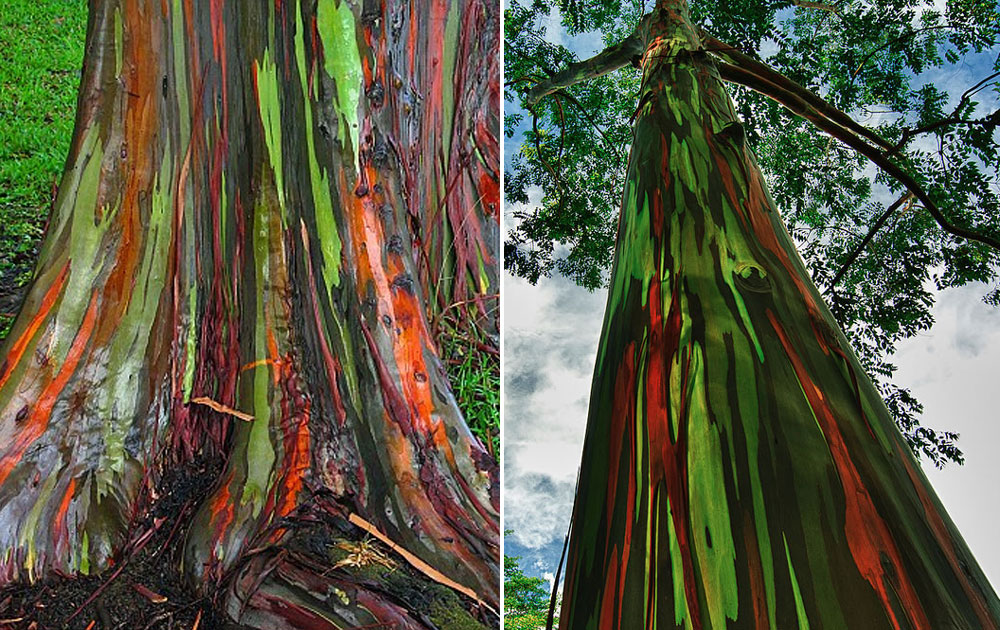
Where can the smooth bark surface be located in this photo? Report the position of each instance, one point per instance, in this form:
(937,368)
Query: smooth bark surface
(739,469)
(241,261)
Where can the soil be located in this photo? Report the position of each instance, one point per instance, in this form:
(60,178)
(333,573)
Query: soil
(145,591)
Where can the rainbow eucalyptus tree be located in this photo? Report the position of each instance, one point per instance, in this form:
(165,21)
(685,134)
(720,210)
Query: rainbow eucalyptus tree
(740,470)
(264,205)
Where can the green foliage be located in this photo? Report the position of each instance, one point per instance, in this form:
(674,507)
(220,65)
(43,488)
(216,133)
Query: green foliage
(41,53)
(893,66)
(525,598)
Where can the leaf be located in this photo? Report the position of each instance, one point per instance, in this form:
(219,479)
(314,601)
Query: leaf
(151,595)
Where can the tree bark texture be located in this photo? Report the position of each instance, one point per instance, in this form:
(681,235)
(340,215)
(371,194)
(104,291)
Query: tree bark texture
(739,469)
(263,204)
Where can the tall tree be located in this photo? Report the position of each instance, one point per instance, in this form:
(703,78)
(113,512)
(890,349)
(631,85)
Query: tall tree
(739,470)
(264,205)
(903,68)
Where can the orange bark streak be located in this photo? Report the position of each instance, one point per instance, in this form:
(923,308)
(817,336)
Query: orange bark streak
(48,300)
(867,534)
(61,527)
(38,420)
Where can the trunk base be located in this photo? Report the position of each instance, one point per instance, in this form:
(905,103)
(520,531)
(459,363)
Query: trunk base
(323,568)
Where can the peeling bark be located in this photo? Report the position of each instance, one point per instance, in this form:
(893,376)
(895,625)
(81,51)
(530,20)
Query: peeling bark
(251,204)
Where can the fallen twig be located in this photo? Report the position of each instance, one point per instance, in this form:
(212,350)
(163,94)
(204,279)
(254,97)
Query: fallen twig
(211,404)
(417,563)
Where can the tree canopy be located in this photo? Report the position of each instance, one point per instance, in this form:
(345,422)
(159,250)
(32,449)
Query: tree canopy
(895,199)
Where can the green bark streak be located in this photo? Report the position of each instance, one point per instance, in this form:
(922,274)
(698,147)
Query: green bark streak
(326,224)
(260,453)
(341,60)
(120,398)
(31,524)
(268,85)
(800,609)
(86,235)
(180,72)
(450,50)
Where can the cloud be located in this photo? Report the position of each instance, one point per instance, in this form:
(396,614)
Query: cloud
(550,343)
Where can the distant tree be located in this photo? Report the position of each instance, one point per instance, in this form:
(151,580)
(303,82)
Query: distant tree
(525,598)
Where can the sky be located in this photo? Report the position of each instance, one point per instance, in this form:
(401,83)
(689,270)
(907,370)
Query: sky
(550,343)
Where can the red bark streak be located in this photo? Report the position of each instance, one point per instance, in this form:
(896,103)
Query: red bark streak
(629,517)
(608,601)
(296,616)
(296,460)
(946,542)
(623,411)
(60,528)
(867,534)
(221,509)
(757,594)
(412,47)
(219,48)
(668,456)
(139,73)
(37,421)
(726,175)
(390,616)
(17,350)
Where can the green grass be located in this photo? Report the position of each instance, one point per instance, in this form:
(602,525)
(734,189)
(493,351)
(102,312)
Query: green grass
(475,380)
(41,53)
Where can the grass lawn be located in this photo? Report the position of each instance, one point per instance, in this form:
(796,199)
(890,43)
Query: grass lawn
(41,53)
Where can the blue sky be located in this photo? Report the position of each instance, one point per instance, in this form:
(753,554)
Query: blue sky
(550,341)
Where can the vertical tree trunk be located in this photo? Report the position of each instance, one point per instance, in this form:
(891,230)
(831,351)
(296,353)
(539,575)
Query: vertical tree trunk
(232,267)
(739,469)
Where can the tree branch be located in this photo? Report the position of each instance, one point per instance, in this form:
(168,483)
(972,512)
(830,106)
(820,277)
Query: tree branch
(853,256)
(740,59)
(807,4)
(992,119)
(610,59)
(895,41)
(796,104)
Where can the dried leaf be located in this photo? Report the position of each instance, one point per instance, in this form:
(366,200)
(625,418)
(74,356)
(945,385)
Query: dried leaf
(151,595)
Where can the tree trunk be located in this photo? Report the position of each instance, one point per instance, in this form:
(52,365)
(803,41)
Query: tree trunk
(739,469)
(240,262)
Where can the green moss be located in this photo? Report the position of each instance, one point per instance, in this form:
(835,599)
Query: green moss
(442,605)
(448,613)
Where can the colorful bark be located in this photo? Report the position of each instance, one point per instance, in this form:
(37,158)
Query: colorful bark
(233,234)
(451,153)
(739,469)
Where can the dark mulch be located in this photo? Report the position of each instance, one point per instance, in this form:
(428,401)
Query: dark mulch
(128,600)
